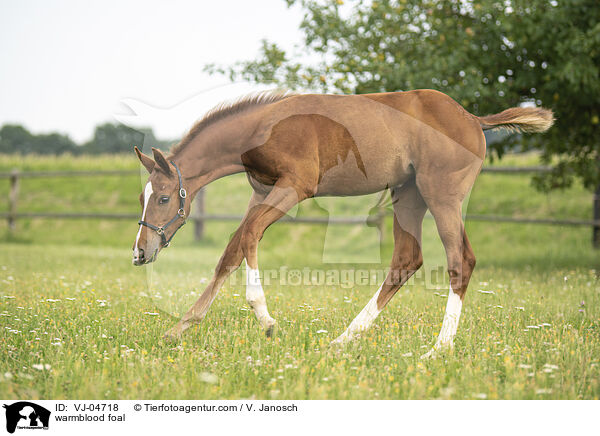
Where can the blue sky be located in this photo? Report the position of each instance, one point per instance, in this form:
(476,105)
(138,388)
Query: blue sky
(66,65)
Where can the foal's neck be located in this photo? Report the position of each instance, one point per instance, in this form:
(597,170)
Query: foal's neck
(216,151)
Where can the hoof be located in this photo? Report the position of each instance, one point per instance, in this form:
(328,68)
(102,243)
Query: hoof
(436,350)
(270,327)
(341,340)
(172,335)
(170,338)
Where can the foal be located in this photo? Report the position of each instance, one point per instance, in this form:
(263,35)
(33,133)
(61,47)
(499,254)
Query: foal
(421,144)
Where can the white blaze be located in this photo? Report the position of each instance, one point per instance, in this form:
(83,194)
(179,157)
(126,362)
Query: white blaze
(362,321)
(147,193)
(256,297)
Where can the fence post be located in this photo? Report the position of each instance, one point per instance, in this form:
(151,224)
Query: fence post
(596,227)
(13,196)
(199,222)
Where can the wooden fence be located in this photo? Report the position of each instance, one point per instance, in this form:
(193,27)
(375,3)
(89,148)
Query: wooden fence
(200,216)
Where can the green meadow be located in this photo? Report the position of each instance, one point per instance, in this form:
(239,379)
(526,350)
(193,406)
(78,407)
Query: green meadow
(79,321)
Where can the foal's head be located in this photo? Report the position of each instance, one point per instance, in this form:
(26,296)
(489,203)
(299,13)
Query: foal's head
(164,204)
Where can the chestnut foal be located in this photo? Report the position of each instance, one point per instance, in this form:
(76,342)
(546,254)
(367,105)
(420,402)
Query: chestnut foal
(421,144)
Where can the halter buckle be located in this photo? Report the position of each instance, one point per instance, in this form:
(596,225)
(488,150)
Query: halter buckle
(160,230)
(182,193)
(181,213)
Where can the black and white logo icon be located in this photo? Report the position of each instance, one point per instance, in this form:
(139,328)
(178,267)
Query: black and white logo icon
(26,415)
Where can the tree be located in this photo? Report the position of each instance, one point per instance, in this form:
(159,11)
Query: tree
(17,139)
(488,55)
(118,138)
(55,143)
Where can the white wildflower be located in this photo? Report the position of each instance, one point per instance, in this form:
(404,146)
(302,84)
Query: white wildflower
(41,366)
(208,377)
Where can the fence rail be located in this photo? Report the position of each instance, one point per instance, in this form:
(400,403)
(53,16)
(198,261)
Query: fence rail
(50,174)
(100,173)
(199,217)
(302,220)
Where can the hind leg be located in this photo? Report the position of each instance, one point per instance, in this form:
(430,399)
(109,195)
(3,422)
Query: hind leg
(409,209)
(461,262)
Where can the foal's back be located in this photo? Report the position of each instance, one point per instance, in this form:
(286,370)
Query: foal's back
(365,143)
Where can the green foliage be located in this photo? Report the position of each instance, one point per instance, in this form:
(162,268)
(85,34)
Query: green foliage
(488,55)
(17,139)
(118,138)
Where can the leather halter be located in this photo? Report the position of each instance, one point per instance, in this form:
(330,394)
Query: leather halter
(180,214)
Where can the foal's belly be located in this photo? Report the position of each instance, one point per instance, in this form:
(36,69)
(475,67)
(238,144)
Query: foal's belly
(378,173)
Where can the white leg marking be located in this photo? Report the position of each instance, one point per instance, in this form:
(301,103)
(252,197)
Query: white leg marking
(147,193)
(449,325)
(256,297)
(362,321)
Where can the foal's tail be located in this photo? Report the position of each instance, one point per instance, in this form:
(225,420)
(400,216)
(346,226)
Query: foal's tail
(519,119)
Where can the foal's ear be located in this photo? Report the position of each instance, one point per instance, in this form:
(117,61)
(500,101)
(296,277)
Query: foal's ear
(161,161)
(145,160)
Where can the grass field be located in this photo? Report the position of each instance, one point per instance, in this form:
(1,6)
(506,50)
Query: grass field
(80,322)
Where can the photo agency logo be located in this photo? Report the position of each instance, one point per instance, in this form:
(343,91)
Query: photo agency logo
(351,232)
(25,415)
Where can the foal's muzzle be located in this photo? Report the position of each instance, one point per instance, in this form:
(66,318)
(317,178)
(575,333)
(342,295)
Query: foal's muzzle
(140,258)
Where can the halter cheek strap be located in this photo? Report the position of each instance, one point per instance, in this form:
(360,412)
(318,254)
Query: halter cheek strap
(180,214)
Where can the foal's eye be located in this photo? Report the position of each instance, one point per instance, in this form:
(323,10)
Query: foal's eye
(163,199)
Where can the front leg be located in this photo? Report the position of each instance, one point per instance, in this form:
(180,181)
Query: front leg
(257,301)
(230,261)
(262,212)
(280,199)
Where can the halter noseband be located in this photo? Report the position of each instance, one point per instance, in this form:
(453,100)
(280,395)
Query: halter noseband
(180,214)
